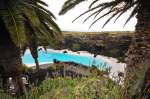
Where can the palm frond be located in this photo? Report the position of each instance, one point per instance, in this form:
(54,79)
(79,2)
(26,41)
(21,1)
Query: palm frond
(29,23)
(31,15)
(101,6)
(134,12)
(112,16)
(44,27)
(118,7)
(69,4)
(101,17)
(44,17)
(95,1)
(14,22)
(42,3)
(126,8)
(39,7)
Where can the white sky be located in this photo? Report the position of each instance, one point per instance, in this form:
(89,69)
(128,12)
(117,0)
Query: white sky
(65,21)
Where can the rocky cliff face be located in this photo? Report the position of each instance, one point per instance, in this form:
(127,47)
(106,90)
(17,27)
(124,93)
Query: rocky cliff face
(113,45)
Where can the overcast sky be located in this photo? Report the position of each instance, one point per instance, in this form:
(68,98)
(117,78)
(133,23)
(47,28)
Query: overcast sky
(65,21)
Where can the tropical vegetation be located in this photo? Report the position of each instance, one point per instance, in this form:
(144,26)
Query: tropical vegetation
(28,24)
(78,88)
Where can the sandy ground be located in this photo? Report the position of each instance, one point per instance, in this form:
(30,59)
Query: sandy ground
(115,65)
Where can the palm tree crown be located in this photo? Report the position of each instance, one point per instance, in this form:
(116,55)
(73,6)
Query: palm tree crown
(28,22)
(116,9)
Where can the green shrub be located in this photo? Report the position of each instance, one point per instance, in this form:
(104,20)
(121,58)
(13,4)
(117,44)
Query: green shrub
(98,72)
(25,69)
(76,46)
(51,68)
(4,95)
(78,88)
(59,66)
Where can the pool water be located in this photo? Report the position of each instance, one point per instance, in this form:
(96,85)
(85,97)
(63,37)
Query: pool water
(47,57)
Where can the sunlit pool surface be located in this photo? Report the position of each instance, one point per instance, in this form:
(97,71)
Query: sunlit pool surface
(49,56)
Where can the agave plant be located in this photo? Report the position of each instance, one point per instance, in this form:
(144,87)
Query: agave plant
(23,23)
(139,50)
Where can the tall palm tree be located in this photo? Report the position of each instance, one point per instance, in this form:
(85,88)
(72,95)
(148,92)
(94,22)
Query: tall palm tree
(139,51)
(23,23)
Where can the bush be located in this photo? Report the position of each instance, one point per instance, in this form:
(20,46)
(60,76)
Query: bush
(50,68)
(76,46)
(4,95)
(97,72)
(78,88)
(25,69)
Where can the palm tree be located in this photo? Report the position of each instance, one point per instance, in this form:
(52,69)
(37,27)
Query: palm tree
(139,51)
(23,23)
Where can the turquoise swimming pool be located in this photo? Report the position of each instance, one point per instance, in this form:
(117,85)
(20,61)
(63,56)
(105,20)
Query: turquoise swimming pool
(47,57)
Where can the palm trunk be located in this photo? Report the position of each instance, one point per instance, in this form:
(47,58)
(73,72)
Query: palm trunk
(10,59)
(139,51)
(10,62)
(37,63)
(34,53)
